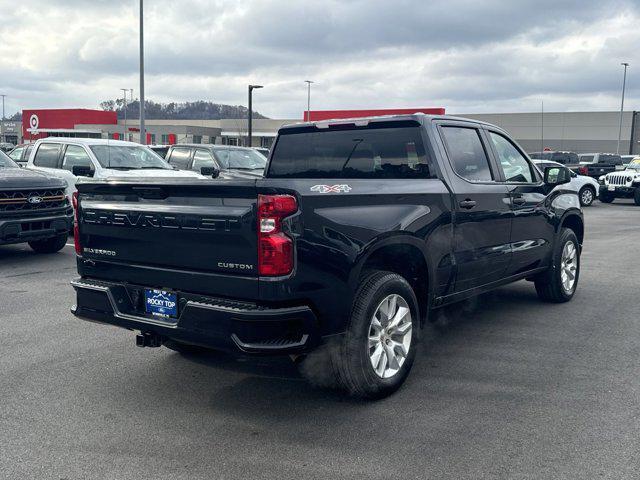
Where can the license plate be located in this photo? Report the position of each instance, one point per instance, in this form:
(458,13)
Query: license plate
(161,303)
(612,188)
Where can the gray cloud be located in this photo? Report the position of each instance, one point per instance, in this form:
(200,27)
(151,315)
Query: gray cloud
(464,55)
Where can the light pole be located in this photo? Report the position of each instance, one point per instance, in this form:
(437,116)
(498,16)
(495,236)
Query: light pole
(624,84)
(542,126)
(308,82)
(131,92)
(3,106)
(124,91)
(250,114)
(143,133)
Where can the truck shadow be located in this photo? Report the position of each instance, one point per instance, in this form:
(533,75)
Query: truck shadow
(262,389)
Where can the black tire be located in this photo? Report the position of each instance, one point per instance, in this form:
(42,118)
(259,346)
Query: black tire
(606,197)
(49,245)
(587,195)
(549,285)
(184,348)
(636,196)
(352,358)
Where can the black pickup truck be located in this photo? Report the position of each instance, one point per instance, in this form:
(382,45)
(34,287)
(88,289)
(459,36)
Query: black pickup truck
(359,229)
(592,165)
(33,208)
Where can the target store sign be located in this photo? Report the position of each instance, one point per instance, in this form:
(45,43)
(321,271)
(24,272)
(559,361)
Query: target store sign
(44,122)
(34,122)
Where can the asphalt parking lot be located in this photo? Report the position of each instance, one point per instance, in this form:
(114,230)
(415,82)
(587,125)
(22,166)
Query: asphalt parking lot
(513,389)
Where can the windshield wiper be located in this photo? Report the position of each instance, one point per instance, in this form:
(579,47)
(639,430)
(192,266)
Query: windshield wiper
(155,168)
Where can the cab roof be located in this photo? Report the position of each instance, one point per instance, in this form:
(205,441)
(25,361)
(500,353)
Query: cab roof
(416,117)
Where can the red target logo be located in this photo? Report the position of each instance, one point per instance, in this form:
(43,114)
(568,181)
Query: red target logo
(34,122)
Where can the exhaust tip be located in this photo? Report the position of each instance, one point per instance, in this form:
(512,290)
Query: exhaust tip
(149,340)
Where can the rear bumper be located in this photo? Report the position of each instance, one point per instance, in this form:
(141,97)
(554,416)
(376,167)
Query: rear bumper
(209,322)
(29,228)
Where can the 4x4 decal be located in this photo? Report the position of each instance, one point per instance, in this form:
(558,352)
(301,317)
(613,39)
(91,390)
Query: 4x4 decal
(331,188)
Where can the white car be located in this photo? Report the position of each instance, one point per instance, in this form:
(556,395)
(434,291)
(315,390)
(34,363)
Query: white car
(586,187)
(99,158)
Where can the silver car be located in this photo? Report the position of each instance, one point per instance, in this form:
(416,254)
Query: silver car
(586,187)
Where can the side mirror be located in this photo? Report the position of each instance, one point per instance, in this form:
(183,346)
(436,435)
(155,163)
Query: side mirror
(82,171)
(554,176)
(210,172)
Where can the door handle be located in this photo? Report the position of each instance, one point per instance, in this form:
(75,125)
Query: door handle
(468,204)
(518,200)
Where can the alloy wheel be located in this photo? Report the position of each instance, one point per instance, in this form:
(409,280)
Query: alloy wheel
(390,336)
(569,266)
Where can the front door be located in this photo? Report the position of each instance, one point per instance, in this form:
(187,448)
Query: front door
(532,231)
(482,229)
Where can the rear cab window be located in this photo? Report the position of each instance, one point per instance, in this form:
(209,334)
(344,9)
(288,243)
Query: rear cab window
(377,150)
(47,155)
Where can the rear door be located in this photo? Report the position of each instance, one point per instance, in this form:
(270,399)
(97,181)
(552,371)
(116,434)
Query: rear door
(483,212)
(532,232)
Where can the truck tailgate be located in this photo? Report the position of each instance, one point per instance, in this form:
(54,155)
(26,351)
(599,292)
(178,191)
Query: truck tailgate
(207,227)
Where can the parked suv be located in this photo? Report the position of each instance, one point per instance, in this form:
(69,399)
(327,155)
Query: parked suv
(622,184)
(358,231)
(73,158)
(237,161)
(33,208)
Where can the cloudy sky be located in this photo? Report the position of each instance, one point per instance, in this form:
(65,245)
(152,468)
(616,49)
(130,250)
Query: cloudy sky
(468,56)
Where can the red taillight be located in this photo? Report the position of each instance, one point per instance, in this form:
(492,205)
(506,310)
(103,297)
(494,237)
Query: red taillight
(583,170)
(76,227)
(275,249)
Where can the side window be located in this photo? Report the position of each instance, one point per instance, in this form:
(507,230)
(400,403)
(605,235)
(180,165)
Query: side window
(47,155)
(467,154)
(180,158)
(16,154)
(75,155)
(515,167)
(202,158)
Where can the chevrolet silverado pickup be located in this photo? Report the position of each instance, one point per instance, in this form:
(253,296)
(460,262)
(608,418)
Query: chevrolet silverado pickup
(33,208)
(357,232)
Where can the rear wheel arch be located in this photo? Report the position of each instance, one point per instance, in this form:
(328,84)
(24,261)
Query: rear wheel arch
(403,256)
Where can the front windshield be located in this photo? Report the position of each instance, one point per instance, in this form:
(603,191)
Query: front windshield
(6,162)
(241,159)
(128,157)
(634,165)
